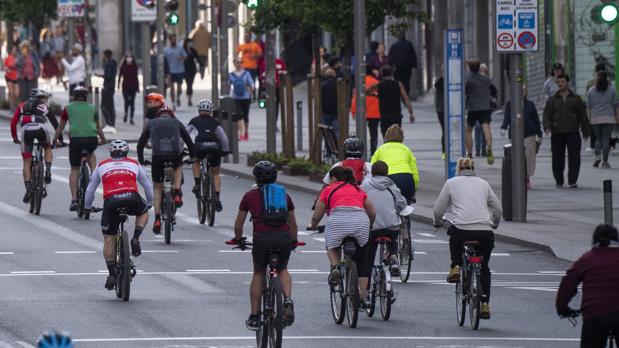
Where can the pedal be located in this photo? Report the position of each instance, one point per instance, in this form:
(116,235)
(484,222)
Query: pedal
(394,297)
(133,272)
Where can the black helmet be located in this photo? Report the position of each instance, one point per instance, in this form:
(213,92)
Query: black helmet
(265,172)
(604,235)
(353,148)
(80,93)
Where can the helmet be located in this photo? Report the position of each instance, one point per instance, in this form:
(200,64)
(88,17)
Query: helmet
(80,93)
(205,105)
(155,97)
(119,149)
(54,340)
(165,112)
(353,147)
(604,235)
(265,172)
(39,93)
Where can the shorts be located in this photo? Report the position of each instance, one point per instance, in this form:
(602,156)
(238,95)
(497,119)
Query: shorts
(79,144)
(347,222)
(242,110)
(158,162)
(9,80)
(212,154)
(262,242)
(29,134)
(177,77)
(132,201)
(483,116)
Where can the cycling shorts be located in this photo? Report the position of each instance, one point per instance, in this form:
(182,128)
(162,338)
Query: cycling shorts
(483,116)
(158,162)
(79,144)
(29,134)
(208,151)
(262,242)
(132,201)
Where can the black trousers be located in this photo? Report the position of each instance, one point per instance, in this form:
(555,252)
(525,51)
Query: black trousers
(441,121)
(402,73)
(189,78)
(388,121)
(107,106)
(129,98)
(373,127)
(595,330)
(456,248)
(559,142)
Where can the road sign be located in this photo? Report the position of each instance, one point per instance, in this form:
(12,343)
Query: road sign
(71,8)
(454,99)
(517,19)
(143,11)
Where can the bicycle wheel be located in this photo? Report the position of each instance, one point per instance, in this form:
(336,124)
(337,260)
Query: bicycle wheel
(385,298)
(201,202)
(474,299)
(352,295)
(211,200)
(262,334)
(35,183)
(372,292)
(38,192)
(460,302)
(167,215)
(126,266)
(405,256)
(277,314)
(83,185)
(338,302)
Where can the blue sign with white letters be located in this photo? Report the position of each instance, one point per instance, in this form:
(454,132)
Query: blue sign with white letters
(526,20)
(453,100)
(505,21)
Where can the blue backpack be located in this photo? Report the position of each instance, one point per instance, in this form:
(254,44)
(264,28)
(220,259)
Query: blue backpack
(275,205)
(238,84)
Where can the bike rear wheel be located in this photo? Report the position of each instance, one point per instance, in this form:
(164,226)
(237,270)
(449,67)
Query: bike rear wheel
(262,334)
(82,186)
(126,266)
(38,195)
(372,293)
(35,185)
(386,297)
(167,214)
(474,299)
(276,319)
(211,197)
(338,302)
(405,254)
(201,202)
(352,294)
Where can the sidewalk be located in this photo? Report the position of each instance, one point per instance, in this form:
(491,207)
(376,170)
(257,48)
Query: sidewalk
(559,220)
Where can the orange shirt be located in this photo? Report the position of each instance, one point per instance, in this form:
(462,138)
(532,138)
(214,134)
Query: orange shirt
(250,52)
(372,110)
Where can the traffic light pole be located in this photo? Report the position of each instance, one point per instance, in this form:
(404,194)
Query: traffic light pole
(519,190)
(223,52)
(616,54)
(160,44)
(270,90)
(359,32)
(214,55)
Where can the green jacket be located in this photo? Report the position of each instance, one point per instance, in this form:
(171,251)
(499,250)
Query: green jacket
(566,115)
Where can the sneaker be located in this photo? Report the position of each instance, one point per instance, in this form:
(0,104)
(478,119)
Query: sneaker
(596,163)
(589,149)
(109,282)
(485,311)
(477,153)
(335,276)
(253,322)
(218,206)
(113,130)
(288,312)
(394,268)
(573,185)
(26,198)
(490,156)
(367,301)
(132,123)
(136,250)
(196,190)
(157,226)
(48,177)
(73,206)
(178,201)
(605,165)
(454,275)
(559,185)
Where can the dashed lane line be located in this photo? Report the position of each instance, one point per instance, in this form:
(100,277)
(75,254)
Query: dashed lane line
(7,253)
(427,235)
(76,252)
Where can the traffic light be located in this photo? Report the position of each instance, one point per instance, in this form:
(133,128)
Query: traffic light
(171,7)
(251,4)
(262,99)
(607,12)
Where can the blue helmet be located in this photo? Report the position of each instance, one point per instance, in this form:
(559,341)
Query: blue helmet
(55,340)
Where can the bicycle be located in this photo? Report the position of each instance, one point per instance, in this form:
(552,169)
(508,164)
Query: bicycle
(612,341)
(270,333)
(406,252)
(468,289)
(381,286)
(206,198)
(39,188)
(168,208)
(125,270)
(82,184)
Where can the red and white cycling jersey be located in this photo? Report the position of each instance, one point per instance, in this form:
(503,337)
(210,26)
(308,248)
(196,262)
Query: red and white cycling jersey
(118,176)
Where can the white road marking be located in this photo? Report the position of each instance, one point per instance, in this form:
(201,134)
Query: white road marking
(235,251)
(10,157)
(312,251)
(208,270)
(551,272)
(430,241)
(7,253)
(420,253)
(76,252)
(25,344)
(550,289)
(302,270)
(501,254)
(427,235)
(159,251)
(319,239)
(177,240)
(33,272)
(303,233)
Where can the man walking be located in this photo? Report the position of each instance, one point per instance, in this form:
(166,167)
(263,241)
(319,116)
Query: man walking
(76,69)
(107,94)
(479,90)
(564,115)
(175,56)
(403,56)
(201,39)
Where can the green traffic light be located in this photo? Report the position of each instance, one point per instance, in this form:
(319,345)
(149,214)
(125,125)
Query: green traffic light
(172,19)
(609,13)
(262,103)
(252,4)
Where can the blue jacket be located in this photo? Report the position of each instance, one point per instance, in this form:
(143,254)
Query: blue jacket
(532,125)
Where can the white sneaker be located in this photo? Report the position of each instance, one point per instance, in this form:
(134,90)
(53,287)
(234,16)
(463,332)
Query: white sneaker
(588,149)
(113,130)
(106,129)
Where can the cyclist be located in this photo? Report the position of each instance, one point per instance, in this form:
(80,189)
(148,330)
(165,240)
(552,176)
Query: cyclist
(353,151)
(597,271)
(84,128)
(401,162)
(350,215)
(33,114)
(388,202)
(55,340)
(165,133)
(474,211)
(210,142)
(120,176)
(264,238)
(154,103)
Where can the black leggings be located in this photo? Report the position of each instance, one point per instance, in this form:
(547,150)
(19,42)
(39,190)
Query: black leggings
(242,110)
(456,248)
(189,77)
(392,247)
(129,97)
(406,183)
(373,127)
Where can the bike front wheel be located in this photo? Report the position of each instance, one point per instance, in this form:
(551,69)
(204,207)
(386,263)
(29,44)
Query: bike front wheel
(474,299)
(352,295)
(386,297)
(125,267)
(201,203)
(167,214)
(369,310)
(460,303)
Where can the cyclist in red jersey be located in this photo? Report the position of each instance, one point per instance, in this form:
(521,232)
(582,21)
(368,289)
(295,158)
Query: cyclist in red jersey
(120,176)
(353,152)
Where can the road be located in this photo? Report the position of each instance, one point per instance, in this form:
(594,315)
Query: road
(194,292)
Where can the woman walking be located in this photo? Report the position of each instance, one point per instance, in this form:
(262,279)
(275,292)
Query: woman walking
(380,59)
(10,75)
(47,53)
(390,95)
(241,91)
(28,69)
(372,112)
(190,67)
(603,111)
(128,77)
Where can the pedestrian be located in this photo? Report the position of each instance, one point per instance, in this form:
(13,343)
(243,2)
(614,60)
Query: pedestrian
(47,54)
(107,94)
(59,46)
(76,69)
(598,67)
(603,111)
(250,53)
(11,77)
(324,58)
(28,69)
(404,59)
(479,92)
(380,59)
(551,87)
(176,59)
(371,55)
(480,140)
(190,67)
(391,93)
(328,100)
(532,132)
(439,106)
(372,108)
(128,77)
(202,42)
(564,116)
(280,68)
(241,90)
(333,63)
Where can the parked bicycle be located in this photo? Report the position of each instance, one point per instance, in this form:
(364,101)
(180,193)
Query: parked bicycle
(39,189)
(381,286)
(125,270)
(612,340)
(206,198)
(406,252)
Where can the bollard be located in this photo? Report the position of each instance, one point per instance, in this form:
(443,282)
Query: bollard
(506,183)
(227,107)
(97,103)
(299,125)
(608,202)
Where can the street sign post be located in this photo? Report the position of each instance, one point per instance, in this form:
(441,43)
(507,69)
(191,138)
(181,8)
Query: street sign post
(454,99)
(71,8)
(143,11)
(517,26)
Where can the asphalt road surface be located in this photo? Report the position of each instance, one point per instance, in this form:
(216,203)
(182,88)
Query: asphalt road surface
(194,292)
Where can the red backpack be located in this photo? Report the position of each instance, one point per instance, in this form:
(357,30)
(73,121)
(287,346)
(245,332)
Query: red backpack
(358,168)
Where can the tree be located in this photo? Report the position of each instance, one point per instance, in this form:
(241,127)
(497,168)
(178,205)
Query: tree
(36,12)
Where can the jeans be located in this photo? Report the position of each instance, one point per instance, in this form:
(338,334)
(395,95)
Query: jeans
(373,127)
(602,139)
(595,330)
(558,143)
(456,249)
(107,106)
(480,141)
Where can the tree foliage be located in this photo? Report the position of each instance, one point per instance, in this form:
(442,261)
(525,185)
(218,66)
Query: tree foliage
(37,12)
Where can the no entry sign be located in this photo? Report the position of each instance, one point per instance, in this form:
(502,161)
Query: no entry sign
(505,40)
(517,23)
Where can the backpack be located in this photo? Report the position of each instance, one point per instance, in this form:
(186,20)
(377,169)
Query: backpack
(238,84)
(275,205)
(358,168)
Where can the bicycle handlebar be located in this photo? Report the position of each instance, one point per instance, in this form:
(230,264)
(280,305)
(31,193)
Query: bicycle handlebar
(571,316)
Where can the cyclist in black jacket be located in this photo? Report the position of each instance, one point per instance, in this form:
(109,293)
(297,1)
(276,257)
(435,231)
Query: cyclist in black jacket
(211,142)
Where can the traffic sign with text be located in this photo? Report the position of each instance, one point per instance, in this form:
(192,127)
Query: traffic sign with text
(517,25)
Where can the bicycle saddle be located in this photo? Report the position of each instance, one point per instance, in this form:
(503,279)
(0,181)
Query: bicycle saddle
(472,243)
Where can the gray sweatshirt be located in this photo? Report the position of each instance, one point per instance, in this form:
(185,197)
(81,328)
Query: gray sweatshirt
(469,202)
(603,105)
(387,205)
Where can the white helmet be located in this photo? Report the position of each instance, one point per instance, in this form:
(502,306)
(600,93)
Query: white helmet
(119,149)
(205,105)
